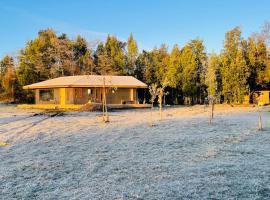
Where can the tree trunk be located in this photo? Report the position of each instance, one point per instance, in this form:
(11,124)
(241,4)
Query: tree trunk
(151,117)
(160,110)
(211,117)
(260,121)
(104,109)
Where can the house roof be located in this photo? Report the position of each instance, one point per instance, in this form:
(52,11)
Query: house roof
(89,81)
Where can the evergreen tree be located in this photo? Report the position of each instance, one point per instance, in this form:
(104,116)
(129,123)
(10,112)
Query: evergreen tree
(84,63)
(160,60)
(132,54)
(213,77)
(234,70)
(175,68)
(115,52)
(102,61)
(8,78)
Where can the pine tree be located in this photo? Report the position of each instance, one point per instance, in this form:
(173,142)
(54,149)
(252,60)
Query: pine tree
(132,54)
(234,70)
(8,78)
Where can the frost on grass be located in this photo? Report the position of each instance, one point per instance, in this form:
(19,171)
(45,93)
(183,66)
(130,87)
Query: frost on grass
(76,156)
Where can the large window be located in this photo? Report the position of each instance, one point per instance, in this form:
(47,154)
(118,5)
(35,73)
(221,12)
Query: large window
(46,95)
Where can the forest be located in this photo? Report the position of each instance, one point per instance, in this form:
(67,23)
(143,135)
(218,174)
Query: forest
(189,74)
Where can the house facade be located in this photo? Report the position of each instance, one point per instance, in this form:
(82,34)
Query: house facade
(79,90)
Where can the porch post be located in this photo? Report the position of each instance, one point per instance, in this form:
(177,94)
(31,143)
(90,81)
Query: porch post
(62,96)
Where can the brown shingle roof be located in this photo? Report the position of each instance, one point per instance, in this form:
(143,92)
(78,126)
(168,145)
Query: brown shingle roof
(89,81)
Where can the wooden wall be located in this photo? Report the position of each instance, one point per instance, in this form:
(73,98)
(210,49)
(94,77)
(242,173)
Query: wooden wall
(55,101)
(84,95)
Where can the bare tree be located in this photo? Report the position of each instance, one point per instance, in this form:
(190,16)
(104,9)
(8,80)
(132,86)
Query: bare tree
(212,100)
(153,89)
(260,125)
(161,94)
(105,115)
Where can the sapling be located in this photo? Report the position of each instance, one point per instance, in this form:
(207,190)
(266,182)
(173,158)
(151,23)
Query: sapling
(161,94)
(160,97)
(212,105)
(260,128)
(105,115)
(164,97)
(153,90)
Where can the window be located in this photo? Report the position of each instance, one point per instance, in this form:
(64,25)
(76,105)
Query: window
(89,91)
(46,95)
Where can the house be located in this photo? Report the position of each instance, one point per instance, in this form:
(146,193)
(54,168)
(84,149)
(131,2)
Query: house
(262,97)
(75,91)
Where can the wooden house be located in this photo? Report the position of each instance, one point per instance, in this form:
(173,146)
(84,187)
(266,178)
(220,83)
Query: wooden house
(75,91)
(262,97)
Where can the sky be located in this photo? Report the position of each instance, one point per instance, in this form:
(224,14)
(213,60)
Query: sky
(152,22)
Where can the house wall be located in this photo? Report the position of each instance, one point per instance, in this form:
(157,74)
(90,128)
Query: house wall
(84,95)
(56,99)
(121,95)
(264,98)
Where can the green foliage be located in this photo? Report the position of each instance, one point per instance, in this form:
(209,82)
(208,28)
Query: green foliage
(132,54)
(242,67)
(8,84)
(114,50)
(193,61)
(175,69)
(234,70)
(213,81)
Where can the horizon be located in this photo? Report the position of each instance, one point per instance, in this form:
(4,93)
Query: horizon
(173,26)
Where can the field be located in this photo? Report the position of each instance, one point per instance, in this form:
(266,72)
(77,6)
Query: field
(76,156)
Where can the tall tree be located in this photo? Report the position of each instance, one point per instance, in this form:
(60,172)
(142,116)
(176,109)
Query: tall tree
(213,78)
(175,68)
(193,61)
(160,60)
(234,70)
(8,77)
(84,63)
(132,54)
(115,52)
(145,69)
(5,63)
(102,61)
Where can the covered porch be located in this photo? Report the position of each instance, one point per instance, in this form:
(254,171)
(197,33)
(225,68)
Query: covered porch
(77,98)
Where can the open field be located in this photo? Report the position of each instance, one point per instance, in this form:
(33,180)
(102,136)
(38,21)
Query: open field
(76,156)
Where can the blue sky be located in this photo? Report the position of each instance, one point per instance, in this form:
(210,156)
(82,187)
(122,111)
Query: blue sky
(152,22)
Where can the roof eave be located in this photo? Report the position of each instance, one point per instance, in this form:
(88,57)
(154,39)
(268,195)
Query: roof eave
(79,86)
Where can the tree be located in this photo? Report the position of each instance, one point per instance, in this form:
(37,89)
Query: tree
(132,54)
(102,61)
(5,63)
(213,77)
(8,77)
(84,63)
(114,51)
(193,61)
(160,59)
(153,89)
(175,69)
(189,74)
(234,70)
(145,69)
(161,92)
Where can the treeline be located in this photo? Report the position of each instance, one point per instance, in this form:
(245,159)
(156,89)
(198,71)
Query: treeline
(189,73)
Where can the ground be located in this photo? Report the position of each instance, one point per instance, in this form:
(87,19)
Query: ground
(76,156)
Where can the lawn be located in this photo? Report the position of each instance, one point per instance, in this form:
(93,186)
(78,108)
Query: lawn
(76,156)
